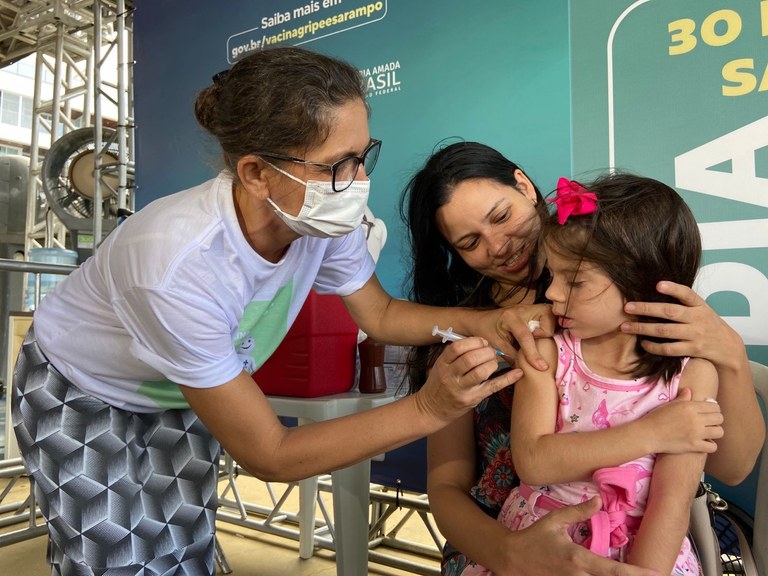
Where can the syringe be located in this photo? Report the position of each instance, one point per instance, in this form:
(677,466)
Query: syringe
(448,335)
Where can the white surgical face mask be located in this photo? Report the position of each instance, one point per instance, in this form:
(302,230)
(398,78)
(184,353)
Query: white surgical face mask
(325,212)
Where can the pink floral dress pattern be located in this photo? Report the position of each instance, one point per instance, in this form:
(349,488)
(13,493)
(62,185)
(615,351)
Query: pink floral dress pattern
(591,402)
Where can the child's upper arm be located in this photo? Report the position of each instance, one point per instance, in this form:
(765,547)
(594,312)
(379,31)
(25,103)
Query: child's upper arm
(534,408)
(700,376)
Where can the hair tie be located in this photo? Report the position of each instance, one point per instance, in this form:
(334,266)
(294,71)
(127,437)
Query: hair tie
(219,77)
(573,199)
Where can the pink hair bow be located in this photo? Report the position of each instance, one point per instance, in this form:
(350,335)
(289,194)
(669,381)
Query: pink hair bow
(573,199)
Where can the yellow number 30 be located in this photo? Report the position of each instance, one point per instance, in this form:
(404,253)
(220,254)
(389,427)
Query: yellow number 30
(682,31)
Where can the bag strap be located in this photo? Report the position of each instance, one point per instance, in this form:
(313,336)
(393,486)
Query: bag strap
(706,504)
(748,564)
(702,532)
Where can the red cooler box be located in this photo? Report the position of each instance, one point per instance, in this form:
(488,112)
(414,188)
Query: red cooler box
(317,356)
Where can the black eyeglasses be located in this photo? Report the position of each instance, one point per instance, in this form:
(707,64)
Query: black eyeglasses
(344,171)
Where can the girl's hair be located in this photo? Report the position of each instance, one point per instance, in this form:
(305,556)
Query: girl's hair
(641,233)
(278,100)
(438,275)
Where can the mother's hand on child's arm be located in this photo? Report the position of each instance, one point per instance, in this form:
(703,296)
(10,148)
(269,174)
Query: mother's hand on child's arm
(545,549)
(514,325)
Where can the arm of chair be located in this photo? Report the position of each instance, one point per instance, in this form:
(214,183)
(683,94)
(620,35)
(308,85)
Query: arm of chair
(760,538)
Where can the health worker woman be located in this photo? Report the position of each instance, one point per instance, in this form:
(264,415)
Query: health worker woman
(129,381)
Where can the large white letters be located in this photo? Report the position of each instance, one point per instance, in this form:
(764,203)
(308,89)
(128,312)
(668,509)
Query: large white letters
(744,280)
(692,169)
(693,172)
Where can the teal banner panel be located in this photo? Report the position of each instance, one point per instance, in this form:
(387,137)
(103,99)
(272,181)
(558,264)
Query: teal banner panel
(495,71)
(678,90)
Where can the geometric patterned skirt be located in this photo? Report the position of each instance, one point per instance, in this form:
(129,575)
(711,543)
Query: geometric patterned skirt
(123,493)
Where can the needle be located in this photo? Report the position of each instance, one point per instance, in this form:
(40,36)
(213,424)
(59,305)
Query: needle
(448,335)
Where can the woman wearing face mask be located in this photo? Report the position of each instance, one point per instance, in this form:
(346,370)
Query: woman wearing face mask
(474,219)
(129,380)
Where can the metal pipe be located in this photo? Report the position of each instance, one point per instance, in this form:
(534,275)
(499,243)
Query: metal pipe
(36,267)
(97,127)
(17,519)
(58,80)
(122,107)
(12,472)
(21,535)
(34,157)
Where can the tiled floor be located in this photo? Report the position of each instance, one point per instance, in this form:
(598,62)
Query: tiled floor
(248,552)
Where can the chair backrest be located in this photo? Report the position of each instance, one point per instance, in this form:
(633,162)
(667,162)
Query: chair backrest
(760,532)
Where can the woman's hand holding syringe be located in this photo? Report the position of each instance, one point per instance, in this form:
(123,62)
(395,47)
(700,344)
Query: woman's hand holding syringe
(448,335)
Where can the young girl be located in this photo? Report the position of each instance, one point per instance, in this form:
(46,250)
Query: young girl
(605,245)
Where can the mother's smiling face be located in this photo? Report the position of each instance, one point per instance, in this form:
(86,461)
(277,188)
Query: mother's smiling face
(494,227)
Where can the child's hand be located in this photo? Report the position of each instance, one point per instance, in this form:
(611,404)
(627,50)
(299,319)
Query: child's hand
(683,425)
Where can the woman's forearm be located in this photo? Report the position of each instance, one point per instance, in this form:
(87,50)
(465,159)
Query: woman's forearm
(744,424)
(402,322)
(470,530)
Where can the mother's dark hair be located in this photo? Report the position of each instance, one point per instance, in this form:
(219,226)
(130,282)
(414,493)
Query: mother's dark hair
(438,275)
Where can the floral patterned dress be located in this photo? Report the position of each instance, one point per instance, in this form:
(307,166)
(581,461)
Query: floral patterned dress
(496,474)
(589,402)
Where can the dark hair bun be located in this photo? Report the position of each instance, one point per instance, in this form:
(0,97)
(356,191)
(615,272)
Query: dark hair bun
(206,108)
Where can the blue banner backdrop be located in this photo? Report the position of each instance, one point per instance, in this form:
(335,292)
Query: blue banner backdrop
(495,71)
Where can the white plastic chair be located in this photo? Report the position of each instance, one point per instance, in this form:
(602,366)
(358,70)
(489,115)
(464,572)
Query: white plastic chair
(754,554)
(760,532)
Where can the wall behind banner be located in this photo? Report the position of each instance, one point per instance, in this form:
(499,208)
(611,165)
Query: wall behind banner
(494,71)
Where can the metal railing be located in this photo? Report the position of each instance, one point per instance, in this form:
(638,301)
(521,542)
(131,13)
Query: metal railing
(23,512)
(35,268)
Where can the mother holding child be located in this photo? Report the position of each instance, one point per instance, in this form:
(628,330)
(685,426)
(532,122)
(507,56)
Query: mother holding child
(632,332)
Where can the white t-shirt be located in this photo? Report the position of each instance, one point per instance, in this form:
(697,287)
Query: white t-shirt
(176,295)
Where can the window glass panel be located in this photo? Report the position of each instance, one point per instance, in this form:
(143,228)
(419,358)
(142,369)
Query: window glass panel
(26,112)
(9,151)
(26,68)
(9,109)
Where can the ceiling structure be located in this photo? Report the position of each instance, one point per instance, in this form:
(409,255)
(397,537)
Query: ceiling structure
(26,26)
(73,40)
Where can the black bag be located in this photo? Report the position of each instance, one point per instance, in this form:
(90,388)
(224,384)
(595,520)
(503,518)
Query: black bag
(722,534)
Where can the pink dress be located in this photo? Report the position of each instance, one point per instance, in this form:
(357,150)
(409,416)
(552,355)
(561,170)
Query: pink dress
(591,402)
